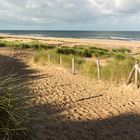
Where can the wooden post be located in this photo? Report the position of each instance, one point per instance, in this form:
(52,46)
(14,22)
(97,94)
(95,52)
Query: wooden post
(130,75)
(98,68)
(136,74)
(139,70)
(60,61)
(49,58)
(73,66)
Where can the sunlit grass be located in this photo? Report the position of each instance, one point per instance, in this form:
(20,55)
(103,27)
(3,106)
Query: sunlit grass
(117,69)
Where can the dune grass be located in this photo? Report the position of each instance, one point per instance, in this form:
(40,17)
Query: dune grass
(83,52)
(34,44)
(117,69)
(14,113)
(41,57)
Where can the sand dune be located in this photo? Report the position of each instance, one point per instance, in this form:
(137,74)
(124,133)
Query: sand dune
(71,107)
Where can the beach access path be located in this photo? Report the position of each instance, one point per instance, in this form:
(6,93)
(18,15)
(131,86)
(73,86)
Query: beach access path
(71,107)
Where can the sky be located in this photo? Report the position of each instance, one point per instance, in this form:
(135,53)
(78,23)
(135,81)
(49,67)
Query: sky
(70,15)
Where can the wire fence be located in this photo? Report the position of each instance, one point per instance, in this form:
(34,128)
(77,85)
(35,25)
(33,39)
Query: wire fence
(74,64)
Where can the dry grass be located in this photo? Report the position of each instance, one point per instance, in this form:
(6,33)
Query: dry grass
(116,69)
(14,113)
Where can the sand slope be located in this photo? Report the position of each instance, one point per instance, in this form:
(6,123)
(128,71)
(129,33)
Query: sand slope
(74,108)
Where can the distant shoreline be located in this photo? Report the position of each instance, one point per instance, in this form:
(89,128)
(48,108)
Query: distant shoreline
(109,35)
(66,38)
(104,43)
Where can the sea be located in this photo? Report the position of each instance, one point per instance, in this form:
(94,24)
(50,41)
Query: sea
(112,35)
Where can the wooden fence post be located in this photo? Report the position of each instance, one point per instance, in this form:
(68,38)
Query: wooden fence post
(130,76)
(136,74)
(73,66)
(135,71)
(49,58)
(60,61)
(98,68)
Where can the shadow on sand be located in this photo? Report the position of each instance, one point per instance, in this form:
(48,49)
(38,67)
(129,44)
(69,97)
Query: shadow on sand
(14,66)
(52,125)
(55,126)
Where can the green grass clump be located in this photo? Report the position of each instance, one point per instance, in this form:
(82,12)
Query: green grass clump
(41,46)
(2,44)
(67,51)
(22,45)
(100,52)
(93,51)
(75,51)
(34,45)
(87,53)
(2,37)
(48,46)
(120,56)
(98,49)
(122,50)
(13,109)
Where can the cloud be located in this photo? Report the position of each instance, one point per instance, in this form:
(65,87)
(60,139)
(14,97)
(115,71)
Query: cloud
(67,12)
(127,6)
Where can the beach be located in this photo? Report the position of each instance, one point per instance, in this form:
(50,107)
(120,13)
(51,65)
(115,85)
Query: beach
(103,43)
(70,70)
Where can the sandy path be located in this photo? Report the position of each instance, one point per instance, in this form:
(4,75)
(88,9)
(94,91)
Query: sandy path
(73,108)
(79,112)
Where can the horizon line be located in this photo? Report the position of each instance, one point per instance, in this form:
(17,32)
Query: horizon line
(71,30)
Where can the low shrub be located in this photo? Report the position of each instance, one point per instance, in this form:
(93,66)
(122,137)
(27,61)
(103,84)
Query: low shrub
(120,56)
(47,46)
(122,50)
(75,51)
(2,44)
(98,49)
(100,52)
(87,53)
(35,46)
(23,45)
(69,51)
(65,51)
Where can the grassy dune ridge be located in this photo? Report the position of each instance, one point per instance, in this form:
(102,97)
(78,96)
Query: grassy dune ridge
(116,63)
(116,66)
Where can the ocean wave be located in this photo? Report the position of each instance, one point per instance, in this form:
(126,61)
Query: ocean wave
(36,35)
(121,38)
